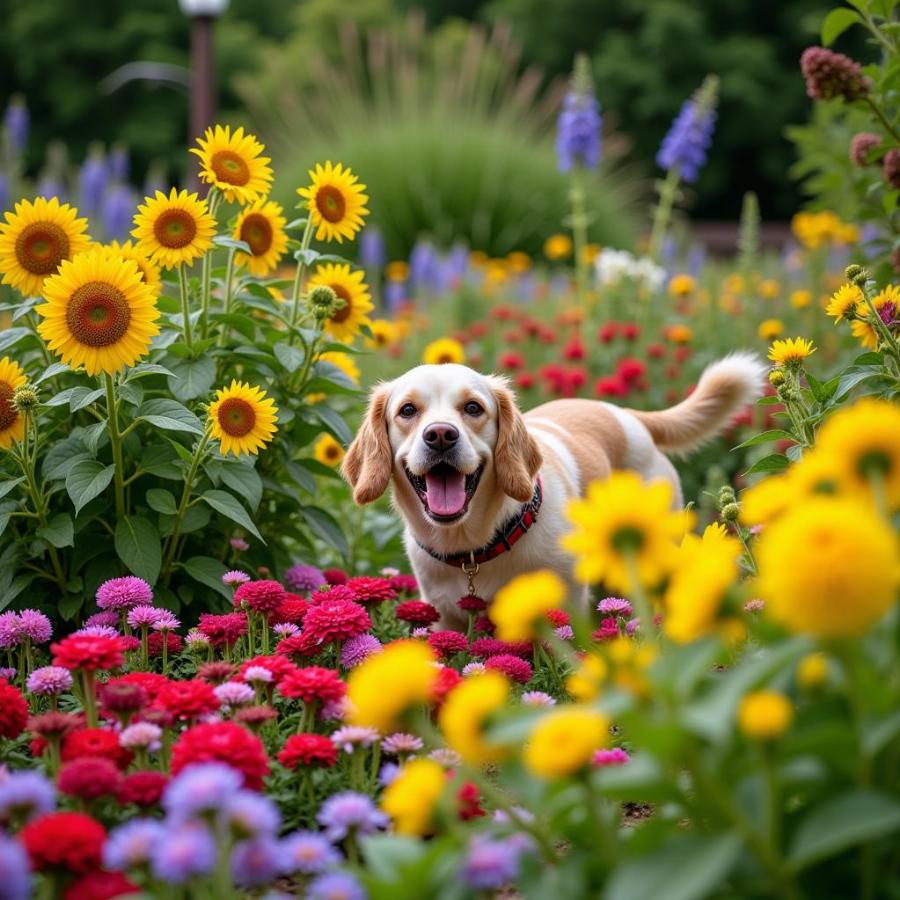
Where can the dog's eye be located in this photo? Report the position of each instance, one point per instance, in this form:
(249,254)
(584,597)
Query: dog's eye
(407,411)
(473,409)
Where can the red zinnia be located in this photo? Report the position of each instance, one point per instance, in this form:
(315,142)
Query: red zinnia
(611,386)
(279,666)
(100,886)
(292,609)
(224,629)
(215,672)
(609,629)
(511,666)
(512,360)
(471,603)
(468,801)
(151,682)
(95,742)
(64,840)
(223,742)
(335,576)
(557,617)
(13,711)
(297,645)
(446,680)
(446,643)
(335,620)
(155,643)
(142,788)
(308,750)
(656,350)
(89,652)
(630,369)
(313,683)
(416,612)
(631,331)
(335,592)
(484,625)
(120,696)
(404,584)
(371,590)
(574,349)
(187,699)
(260,596)
(525,381)
(88,778)
(487,647)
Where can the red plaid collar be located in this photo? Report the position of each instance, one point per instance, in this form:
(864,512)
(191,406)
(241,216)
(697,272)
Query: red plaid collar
(503,538)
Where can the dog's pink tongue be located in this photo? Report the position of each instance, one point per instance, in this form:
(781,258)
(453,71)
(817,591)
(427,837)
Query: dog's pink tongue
(445,492)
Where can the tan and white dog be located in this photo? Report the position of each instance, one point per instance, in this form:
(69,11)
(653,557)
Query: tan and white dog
(476,481)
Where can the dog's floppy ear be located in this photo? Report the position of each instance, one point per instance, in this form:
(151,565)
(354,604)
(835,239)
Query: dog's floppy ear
(369,460)
(517,456)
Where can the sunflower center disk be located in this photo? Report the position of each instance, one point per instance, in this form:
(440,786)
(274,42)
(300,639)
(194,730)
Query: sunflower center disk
(41,247)
(236,417)
(330,203)
(257,232)
(230,168)
(175,228)
(344,312)
(8,413)
(98,314)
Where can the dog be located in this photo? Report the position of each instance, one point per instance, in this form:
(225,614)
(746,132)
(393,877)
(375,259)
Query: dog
(480,484)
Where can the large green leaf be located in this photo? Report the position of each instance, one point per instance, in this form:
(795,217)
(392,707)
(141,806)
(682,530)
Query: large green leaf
(208,571)
(162,501)
(87,479)
(84,396)
(836,23)
(59,531)
(323,525)
(223,502)
(291,358)
(844,821)
(192,378)
(170,416)
(138,546)
(241,478)
(9,484)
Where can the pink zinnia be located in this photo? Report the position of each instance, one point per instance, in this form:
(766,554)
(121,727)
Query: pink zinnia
(486,647)
(446,643)
(614,606)
(614,757)
(260,596)
(511,666)
(416,612)
(371,590)
(235,578)
(143,616)
(336,620)
(35,626)
(124,593)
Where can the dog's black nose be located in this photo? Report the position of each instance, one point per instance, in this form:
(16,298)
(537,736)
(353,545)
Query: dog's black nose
(440,435)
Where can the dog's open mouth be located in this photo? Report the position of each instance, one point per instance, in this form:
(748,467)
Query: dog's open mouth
(445,492)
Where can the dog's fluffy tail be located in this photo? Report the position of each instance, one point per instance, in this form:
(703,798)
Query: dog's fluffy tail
(724,388)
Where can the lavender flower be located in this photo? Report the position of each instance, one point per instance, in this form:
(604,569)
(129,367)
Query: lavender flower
(401,744)
(395,293)
(255,862)
(130,846)
(300,578)
(234,693)
(200,790)
(260,674)
(92,181)
(578,126)
(119,164)
(359,648)
(350,737)
(35,626)
(286,629)
(614,606)
(8,673)
(49,186)
(424,266)
(350,812)
(15,870)
(24,796)
(247,815)
(235,578)
(372,247)
(239,544)
(15,123)
(335,886)
(124,593)
(308,853)
(108,617)
(183,853)
(537,698)
(98,631)
(49,680)
(4,192)
(684,147)
(564,632)
(490,864)
(388,774)
(9,630)
(165,621)
(143,616)
(141,735)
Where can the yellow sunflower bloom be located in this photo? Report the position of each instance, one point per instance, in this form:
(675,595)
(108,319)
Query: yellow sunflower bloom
(800,299)
(845,302)
(174,230)
(328,451)
(624,523)
(765,715)
(585,682)
(770,329)
(35,239)
(520,605)
(412,797)
(383,333)
(336,202)
(261,225)
(351,287)
(232,163)
(564,742)
(12,424)
(769,289)
(242,418)
(150,272)
(99,312)
(444,350)
(682,286)
(465,712)
(791,351)
(557,247)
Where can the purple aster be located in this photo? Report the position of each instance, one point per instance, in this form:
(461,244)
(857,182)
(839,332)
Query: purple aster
(401,744)
(16,120)
(335,710)
(286,629)
(388,774)
(247,815)
(350,737)
(234,693)
(130,846)
(358,649)
(199,790)
(165,621)
(372,247)
(308,853)
(614,606)
(234,578)
(108,617)
(335,886)
(8,673)
(24,796)
(564,632)
(349,812)
(259,673)
(124,593)
(143,616)
(632,625)
(302,578)
(578,126)
(490,864)
(537,698)
(15,870)
(98,631)
(141,734)
(196,640)
(9,630)
(183,852)
(255,862)
(685,146)
(49,680)
(239,544)
(421,632)
(35,625)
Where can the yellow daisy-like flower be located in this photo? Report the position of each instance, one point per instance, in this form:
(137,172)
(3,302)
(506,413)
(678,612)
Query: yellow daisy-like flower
(791,351)
(863,328)
(465,713)
(585,682)
(36,239)
(443,350)
(100,313)
(384,333)
(336,202)
(150,272)
(387,684)
(845,302)
(769,289)
(328,451)
(242,418)
(769,329)
(765,501)
(520,605)
(679,334)
(812,671)
(174,230)
(682,286)
(734,284)
(233,163)
(12,424)
(412,797)
(800,299)
(351,287)
(830,567)
(564,742)
(520,262)
(398,270)
(861,443)
(765,715)
(557,247)
(261,225)
(624,523)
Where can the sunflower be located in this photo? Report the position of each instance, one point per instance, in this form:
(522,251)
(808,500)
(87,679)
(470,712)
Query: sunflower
(328,451)
(242,418)
(844,302)
(557,247)
(99,313)
(682,286)
(12,425)
(383,333)
(262,227)
(148,269)
(770,329)
(35,239)
(443,350)
(791,351)
(336,202)
(232,163)
(174,230)
(350,287)
(863,328)
(623,522)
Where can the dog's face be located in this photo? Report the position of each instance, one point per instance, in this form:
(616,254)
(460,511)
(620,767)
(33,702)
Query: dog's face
(450,437)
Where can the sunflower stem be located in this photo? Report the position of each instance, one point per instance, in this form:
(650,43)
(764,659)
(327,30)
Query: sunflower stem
(298,278)
(186,309)
(115,442)
(229,285)
(579,233)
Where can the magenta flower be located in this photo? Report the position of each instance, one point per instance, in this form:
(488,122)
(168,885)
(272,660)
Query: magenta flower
(124,593)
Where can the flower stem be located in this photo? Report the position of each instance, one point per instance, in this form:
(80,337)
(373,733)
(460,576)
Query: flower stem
(882,118)
(667,193)
(579,232)
(229,290)
(298,278)
(115,442)
(90,700)
(186,309)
